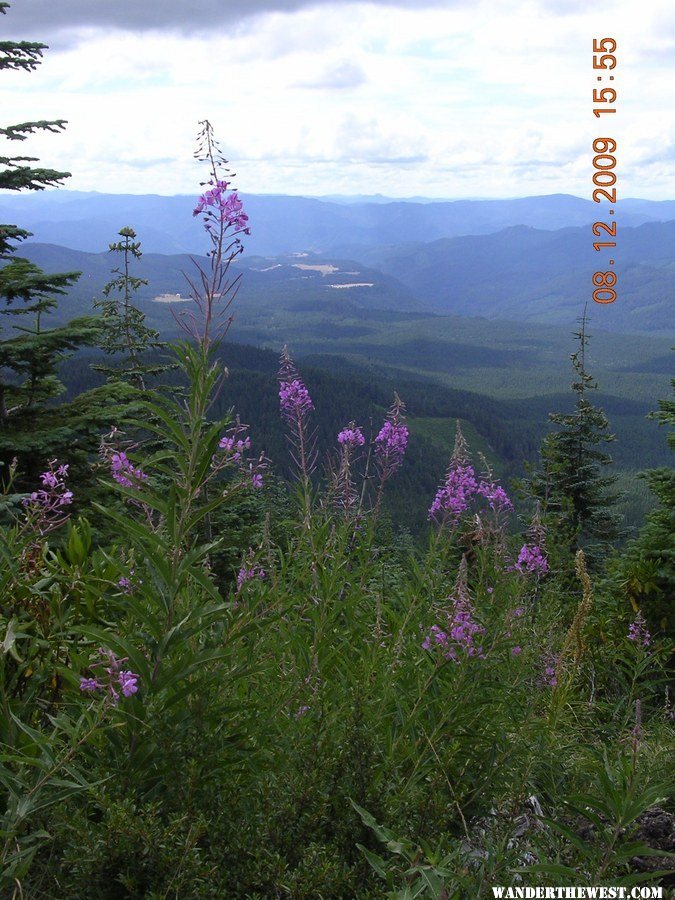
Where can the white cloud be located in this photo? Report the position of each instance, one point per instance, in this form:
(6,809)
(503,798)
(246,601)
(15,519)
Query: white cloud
(492,99)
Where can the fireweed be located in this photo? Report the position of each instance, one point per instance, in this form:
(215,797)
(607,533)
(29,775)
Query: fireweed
(390,446)
(638,633)
(295,405)
(458,486)
(113,452)
(46,508)
(224,220)
(531,561)
(130,582)
(343,490)
(233,447)
(249,570)
(460,489)
(110,677)
(458,635)
(178,612)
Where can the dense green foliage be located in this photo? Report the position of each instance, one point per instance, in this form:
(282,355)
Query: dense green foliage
(648,564)
(288,719)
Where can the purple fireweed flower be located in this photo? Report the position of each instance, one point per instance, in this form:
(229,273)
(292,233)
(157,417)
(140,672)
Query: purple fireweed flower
(454,494)
(390,444)
(295,406)
(129,582)
(45,508)
(531,561)
(549,667)
(124,472)
(49,479)
(233,447)
(516,651)
(247,573)
(495,495)
(351,437)
(637,631)
(301,711)
(343,491)
(127,681)
(463,628)
(462,631)
(294,399)
(228,208)
(112,678)
(518,612)
(436,637)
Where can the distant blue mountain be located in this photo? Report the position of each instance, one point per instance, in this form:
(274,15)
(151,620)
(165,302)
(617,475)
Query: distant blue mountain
(520,274)
(286,224)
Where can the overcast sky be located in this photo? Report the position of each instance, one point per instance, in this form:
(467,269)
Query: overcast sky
(454,98)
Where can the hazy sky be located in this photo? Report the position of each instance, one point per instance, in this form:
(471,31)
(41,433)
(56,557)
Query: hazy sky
(460,98)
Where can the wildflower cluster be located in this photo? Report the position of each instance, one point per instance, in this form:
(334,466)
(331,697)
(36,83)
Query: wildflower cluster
(124,472)
(45,507)
(294,399)
(454,494)
(462,631)
(224,220)
(549,677)
(111,678)
(392,440)
(229,210)
(495,495)
(295,405)
(351,437)
(234,444)
(638,633)
(531,561)
(234,447)
(248,572)
(461,485)
(129,582)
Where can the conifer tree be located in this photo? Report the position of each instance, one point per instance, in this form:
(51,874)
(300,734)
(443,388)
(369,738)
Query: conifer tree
(125,332)
(31,427)
(576,496)
(648,566)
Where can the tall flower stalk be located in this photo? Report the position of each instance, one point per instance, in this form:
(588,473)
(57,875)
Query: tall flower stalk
(390,446)
(295,405)
(199,466)
(457,488)
(224,221)
(350,440)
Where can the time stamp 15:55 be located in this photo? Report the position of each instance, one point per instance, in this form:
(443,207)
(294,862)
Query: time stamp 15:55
(604,163)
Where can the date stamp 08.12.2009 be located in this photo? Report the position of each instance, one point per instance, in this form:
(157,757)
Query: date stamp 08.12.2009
(604,164)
